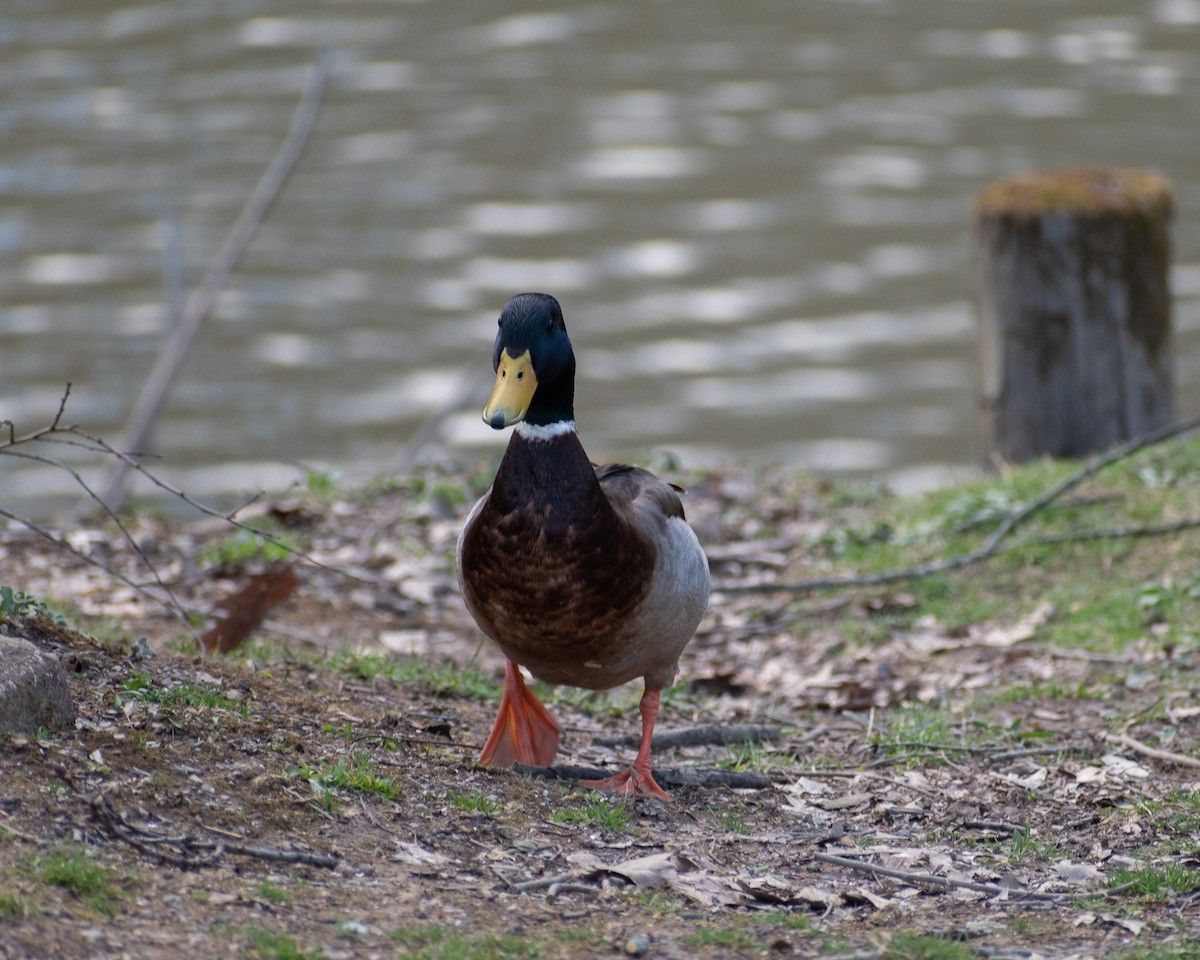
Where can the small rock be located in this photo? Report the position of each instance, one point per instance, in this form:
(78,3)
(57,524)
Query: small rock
(637,945)
(33,689)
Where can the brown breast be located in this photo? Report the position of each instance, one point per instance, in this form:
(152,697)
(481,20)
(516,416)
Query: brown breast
(550,571)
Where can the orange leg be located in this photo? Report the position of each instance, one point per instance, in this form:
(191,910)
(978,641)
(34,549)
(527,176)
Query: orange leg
(637,779)
(524,731)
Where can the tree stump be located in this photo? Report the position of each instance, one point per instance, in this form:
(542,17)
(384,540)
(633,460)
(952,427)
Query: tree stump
(1073,311)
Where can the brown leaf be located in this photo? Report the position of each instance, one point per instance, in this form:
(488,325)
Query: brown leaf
(248,608)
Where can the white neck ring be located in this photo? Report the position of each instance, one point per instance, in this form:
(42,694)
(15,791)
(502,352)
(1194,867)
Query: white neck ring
(534,431)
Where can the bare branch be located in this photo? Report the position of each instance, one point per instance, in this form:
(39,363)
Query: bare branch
(233,249)
(994,889)
(227,516)
(174,606)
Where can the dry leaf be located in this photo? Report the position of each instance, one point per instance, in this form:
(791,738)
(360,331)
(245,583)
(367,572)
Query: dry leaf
(1077,873)
(768,889)
(248,608)
(1133,926)
(417,856)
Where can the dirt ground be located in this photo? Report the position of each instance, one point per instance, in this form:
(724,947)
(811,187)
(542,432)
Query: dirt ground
(915,790)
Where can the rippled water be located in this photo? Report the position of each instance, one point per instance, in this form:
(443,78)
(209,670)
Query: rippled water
(755,215)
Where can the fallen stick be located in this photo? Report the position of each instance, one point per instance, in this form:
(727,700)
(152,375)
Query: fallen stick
(734,779)
(237,242)
(1146,750)
(706,733)
(994,889)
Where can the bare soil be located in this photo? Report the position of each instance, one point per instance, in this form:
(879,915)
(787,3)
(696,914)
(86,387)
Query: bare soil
(221,831)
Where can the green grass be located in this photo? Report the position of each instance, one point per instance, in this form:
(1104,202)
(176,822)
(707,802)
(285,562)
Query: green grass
(730,820)
(744,933)
(274,894)
(1188,949)
(1156,882)
(436,942)
(89,880)
(328,779)
(242,547)
(13,906)
(918,946)
(1023,846)
(140,686)
(444,678)
(267,945)
(1106,593)
(595,813)
(918,731)
(723,938)
(474,803)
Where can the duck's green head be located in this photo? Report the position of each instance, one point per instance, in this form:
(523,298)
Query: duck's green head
(534,364)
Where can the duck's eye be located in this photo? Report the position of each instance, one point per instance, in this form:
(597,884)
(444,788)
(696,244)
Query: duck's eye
(550,325)
(503,374)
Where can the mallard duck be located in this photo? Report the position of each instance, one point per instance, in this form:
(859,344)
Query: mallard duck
(586,575)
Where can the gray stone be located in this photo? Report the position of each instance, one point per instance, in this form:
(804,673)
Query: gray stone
(34,691)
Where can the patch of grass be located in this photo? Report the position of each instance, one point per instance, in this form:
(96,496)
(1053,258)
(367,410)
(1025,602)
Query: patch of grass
(754,756)
(268,891)
(474,803)
(1156,882)
(731,820)
(1023,845)
(919,946)
(140,686)
(1187,949)
(611,704)
(435,942)
(322,484)
(657,903)
(744,933)
(595,813)
(90,881)
(731,937)
(12,905)
(243,547)
(359,775)
(267,945)
(444,678)
(1049,690)
(917,731)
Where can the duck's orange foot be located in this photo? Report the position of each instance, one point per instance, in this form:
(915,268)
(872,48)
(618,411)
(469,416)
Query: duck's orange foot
(524,731)
(627,784)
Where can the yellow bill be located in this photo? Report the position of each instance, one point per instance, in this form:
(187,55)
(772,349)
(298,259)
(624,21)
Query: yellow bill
(511,396)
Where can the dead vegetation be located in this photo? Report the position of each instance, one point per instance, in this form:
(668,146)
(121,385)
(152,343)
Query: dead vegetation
(997,761)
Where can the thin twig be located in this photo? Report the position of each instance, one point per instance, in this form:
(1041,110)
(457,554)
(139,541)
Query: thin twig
(1029,752)
(189,851)
(539,882)
(175,607)
(1146,750)
(228,516)
(996,543)
(994,889)
(999,826)
(233,249)
(172,603)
